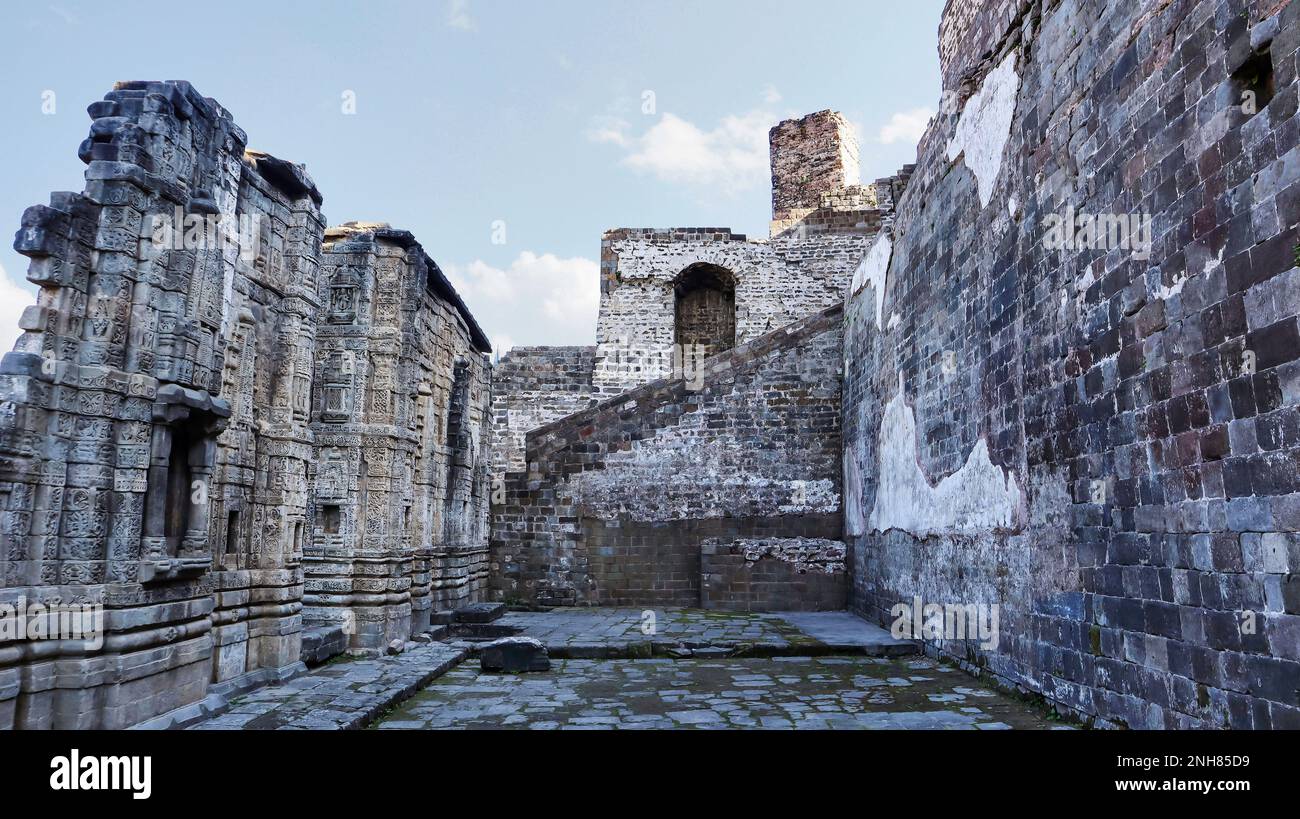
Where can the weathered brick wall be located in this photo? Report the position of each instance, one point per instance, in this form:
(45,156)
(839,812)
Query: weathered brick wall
(401,421)
(773,574)
(532,386)
(1102,444)
(811,156)
(776,283)
(618,498)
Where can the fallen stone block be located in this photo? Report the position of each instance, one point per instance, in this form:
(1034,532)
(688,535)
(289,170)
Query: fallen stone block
(515,655)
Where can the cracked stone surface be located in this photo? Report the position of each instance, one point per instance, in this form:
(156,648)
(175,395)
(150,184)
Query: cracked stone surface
(744,693)
(347,693)
(601,632)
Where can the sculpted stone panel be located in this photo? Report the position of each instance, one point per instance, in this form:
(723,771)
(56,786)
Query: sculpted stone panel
(399,427)
(199,407)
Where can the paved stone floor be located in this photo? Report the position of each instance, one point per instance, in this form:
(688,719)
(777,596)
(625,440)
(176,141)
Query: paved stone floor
(626,668)
(614,632)
(773,693)
(346,693)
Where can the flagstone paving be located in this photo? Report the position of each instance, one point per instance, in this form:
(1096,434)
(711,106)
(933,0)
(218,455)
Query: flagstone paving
(765,693)
(346,693)
(595,633)
(638,668)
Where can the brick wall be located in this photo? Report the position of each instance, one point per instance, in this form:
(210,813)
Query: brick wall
(776,282)
(773,574)
(618,498)
(1102,444)
(532,386)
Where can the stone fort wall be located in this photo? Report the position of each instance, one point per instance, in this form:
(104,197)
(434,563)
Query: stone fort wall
(621,500)
(532,386)
(820,230)
(1097,439)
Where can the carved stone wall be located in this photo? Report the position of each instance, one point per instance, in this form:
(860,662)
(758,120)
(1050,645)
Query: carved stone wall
(401,478)
(110,462)
(259,498)
(169,412)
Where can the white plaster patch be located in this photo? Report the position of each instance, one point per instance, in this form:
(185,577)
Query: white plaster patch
(854,521)
(973,500)
(985,125)
(872,270)
(1169,291)
(895,320)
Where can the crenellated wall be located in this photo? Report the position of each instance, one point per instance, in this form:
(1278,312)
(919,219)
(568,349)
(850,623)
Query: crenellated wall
(1093,426)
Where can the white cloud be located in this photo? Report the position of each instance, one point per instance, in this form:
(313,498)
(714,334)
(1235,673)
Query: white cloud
(730,157)
(65,15)
(612,130)
(458,15)
(771,96)
(536,300)
(905,126)
(14,299)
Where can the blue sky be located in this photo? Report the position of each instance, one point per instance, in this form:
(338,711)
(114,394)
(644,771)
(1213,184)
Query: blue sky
(477,115)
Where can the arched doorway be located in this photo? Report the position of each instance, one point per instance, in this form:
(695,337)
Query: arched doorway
(705,311)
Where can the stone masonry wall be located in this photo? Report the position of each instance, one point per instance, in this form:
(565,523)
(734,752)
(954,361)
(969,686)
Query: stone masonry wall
(776,282)
(174,417)
(401,474)
(532,386)
(619,498)
(1094,433)
(773,574)
(259,494)
(112,455)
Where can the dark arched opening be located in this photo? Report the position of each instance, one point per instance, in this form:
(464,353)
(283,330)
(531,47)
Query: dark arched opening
(705,308)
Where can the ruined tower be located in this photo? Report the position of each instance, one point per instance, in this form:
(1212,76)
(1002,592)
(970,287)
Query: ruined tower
(812,157)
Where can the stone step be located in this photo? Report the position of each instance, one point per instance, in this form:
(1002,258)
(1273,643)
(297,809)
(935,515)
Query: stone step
(480,612)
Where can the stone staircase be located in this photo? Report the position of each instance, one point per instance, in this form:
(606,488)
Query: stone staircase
(621,502)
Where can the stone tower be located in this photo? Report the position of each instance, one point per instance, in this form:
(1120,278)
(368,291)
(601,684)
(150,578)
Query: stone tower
(812,156)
